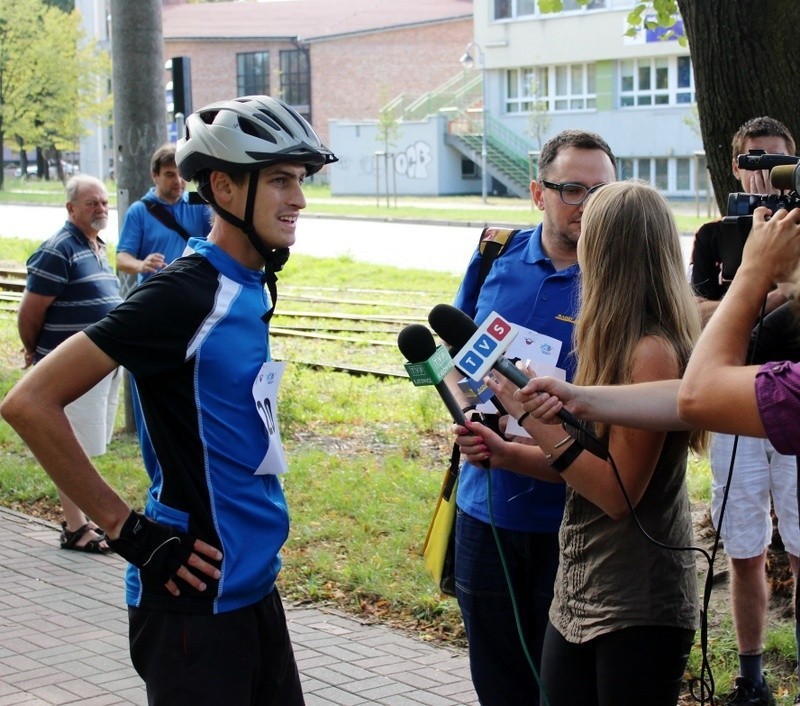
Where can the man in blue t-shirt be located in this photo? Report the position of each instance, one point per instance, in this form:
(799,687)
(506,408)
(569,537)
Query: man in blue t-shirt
(157,227)
(207,624)
(534,284)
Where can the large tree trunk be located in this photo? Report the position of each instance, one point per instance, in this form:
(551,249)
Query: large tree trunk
(743,68)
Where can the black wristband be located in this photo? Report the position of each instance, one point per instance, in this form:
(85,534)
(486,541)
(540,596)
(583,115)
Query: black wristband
(522,418)
(565,460)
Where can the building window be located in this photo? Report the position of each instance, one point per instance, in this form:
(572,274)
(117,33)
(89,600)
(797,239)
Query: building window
(661,81)
(661,174)
(296,81)
(670,175)
(685,79)
(506,9)
(573,6)
(525,7)
(502,9)
(683,174)
(252,73)
(551,89)
(522,88)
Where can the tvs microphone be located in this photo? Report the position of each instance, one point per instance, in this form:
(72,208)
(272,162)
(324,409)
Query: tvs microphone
(428,365)
(455,327)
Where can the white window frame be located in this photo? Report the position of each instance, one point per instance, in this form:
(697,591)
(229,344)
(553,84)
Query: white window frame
(653,82)
(657,169)
(560,88)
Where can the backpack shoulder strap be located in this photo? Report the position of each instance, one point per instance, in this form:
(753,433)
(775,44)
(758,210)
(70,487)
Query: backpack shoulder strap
(161,214)
(492,244)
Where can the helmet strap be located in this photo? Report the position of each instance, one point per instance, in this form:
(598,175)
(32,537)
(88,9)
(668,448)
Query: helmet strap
(274,258)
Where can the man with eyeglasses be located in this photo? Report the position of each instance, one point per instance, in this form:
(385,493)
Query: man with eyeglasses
(71,285)
(534,285)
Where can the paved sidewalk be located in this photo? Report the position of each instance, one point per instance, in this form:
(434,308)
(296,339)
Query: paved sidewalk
(63,638)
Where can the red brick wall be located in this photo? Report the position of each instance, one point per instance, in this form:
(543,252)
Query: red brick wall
(214,66)
(351,77)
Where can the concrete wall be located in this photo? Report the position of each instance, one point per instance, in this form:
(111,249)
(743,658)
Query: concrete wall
(419,163)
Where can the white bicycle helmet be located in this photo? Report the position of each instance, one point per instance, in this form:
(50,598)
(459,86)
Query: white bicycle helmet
(247,134)
(244,135)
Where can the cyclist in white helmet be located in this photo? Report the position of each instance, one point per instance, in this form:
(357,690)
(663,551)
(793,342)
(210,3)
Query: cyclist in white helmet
(206,621)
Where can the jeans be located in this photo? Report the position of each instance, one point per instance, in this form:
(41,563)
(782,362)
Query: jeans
(500,671)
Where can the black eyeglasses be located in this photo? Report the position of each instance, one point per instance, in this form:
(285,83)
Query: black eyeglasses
(571,193)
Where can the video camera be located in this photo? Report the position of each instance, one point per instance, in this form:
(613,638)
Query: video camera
(784,175)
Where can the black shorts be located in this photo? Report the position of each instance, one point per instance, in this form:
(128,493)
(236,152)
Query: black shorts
(240,658)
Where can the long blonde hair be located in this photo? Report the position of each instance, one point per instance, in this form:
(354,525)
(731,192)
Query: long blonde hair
(634,285)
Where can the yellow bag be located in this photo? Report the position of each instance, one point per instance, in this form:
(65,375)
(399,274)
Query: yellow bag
(438,550)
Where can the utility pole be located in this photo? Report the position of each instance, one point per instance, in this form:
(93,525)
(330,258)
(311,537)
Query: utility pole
(140,111)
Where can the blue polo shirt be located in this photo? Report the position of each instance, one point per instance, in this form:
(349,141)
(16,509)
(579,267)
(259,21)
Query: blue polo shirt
(142,233)
(525,288)
(84,285)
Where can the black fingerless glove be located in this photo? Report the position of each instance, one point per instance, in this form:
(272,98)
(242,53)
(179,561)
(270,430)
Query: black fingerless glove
(157,550)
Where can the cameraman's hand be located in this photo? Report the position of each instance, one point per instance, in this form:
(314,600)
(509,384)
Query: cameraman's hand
(162,553)
(757,182)
(772,250)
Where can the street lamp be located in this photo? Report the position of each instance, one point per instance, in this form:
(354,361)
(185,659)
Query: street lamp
(467,61)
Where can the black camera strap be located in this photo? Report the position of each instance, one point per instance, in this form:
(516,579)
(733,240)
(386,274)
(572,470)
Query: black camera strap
(160,213)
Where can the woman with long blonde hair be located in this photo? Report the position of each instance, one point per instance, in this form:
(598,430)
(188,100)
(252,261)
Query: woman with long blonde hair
(618,593)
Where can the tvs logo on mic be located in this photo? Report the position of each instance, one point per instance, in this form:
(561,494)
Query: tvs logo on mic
(487,344)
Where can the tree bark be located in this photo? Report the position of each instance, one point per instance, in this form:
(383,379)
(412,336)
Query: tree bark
(743,68)
(140,109)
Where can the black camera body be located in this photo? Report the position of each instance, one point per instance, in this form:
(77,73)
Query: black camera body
(738,221)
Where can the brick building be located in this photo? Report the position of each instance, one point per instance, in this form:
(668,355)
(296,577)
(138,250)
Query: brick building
(331,60)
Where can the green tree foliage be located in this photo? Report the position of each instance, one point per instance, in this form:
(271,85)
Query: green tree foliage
(51,81)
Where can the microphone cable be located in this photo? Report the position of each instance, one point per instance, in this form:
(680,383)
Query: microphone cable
(706,667)
(543,700)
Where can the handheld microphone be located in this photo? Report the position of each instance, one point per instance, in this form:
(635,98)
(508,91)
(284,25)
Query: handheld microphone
(785,177)
(455,327)
(758,159)
(428,365)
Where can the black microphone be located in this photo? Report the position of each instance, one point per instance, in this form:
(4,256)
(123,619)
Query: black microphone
(455,327)
(417,346)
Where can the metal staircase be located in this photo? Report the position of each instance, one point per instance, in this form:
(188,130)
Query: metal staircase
(506,152)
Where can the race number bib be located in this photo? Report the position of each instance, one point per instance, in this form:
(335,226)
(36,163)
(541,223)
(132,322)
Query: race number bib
(265,394)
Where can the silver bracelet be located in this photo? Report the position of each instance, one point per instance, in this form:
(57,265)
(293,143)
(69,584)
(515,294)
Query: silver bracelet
(563,441)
